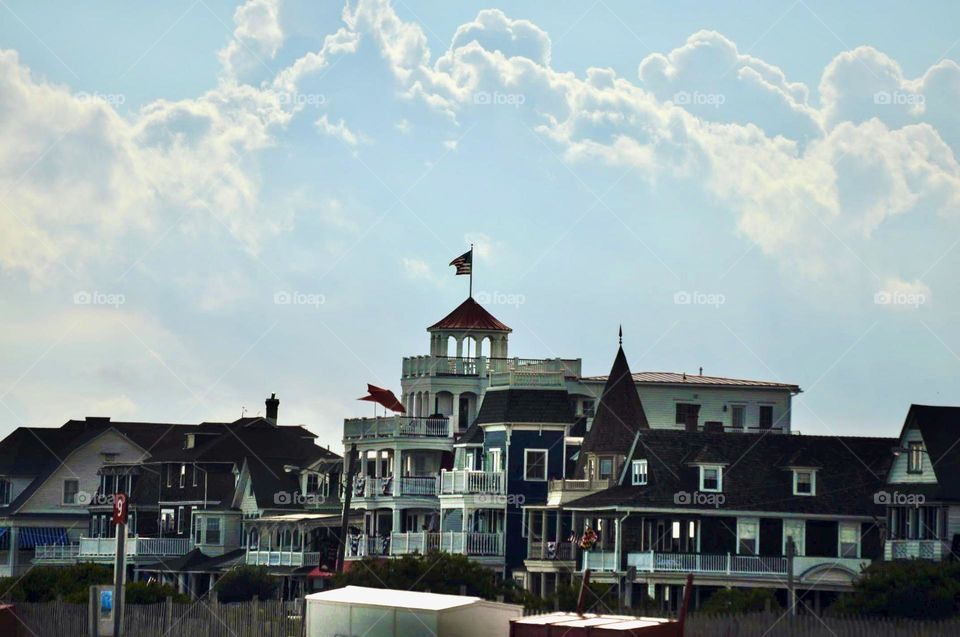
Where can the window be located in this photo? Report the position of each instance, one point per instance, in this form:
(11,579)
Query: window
(606,468)
(766,416)
(253,538)
(849,539)
(179,520)
(4,492)
(167,521)
(795,529)
(804,482)
(589,408)
(71,489)
(169,475)
(688,415)
(194,475)
(493,460)
(183,475)
(213,530)
(197,528)
(711,478)
(535,464)
(915,457)
(747,531)
(468,460)
(639,472)
(737,416)
(313,483)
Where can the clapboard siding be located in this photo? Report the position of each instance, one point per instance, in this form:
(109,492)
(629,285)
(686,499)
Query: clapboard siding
(898,472)
(82,464)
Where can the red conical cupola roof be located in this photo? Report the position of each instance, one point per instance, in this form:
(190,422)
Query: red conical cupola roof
(470,315)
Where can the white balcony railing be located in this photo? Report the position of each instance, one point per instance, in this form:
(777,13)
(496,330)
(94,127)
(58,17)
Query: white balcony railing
(472,482)
(728,564)
(283,558)
(483,366)
(106,547)
(57,552)
(406,543)
(524,378)
(599,560)
(476,544)
(936,550)
(396,427)
(562,491)
(371,487)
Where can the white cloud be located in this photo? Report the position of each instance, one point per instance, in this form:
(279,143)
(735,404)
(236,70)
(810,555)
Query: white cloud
(339,130)
(257,35)
(419,270)
(494,31)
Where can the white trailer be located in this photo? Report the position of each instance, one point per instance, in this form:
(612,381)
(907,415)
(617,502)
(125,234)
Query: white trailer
(356,611)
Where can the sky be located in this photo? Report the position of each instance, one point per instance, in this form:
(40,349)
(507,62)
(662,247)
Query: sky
(204,202)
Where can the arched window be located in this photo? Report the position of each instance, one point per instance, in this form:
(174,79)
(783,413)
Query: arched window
(253,538)
(296,539)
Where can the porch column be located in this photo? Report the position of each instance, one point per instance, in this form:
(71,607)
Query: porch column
(397,514)
(455,413)
(14,549)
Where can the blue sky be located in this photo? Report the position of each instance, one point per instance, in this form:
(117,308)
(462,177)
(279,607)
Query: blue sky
(170,170)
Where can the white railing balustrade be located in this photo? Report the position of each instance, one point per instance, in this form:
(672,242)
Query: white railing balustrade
(106,547)
(729,564)
(549,550)
(413,542)
(477,544)
(418,485)
(599,560)
(461,481)
(57,552)
(483,366)
(396,427)
(283,558)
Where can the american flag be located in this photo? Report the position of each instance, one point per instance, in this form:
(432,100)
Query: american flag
(464,263)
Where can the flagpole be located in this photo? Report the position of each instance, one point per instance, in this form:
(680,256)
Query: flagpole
(471,270)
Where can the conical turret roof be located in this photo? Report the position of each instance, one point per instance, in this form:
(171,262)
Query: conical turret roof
(470,315)
(619,414)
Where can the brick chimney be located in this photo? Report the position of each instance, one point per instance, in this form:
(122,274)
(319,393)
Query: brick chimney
(273,406)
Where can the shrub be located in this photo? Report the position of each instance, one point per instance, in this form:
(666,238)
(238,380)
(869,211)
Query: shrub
(48,583)
(152,593)
(912,589)
(244,582)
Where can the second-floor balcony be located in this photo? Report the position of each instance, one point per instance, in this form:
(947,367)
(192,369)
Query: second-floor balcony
(471,543)
(722,564)
(105,549)
(389,487)
(550,551)
(935,550)
(396,427)
(562,491)
(466,482)
(283,558)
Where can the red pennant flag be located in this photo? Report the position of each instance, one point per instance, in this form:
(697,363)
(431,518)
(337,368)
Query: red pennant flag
(383,397)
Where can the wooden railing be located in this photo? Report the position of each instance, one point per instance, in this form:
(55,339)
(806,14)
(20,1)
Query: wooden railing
(562,491)
(396,427)
(461,481)
(477,544)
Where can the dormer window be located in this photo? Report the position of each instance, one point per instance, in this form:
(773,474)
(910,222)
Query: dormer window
(711,478)
(638,472)
(804,482)
(606,468)
(915,457)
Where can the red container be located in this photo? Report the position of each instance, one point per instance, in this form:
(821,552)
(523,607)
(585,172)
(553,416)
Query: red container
(9,625)
(573,625)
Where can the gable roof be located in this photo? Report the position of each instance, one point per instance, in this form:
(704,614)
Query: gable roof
(756,478)
(526,406)
(472,435)
(940,428)
(470,315)
(619,414)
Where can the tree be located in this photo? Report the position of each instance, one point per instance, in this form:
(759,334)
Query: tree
(48,583)
(244,582)
(736,601)
(913,589)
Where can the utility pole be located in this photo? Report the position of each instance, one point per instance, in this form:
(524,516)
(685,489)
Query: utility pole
(791,585)
(347,496)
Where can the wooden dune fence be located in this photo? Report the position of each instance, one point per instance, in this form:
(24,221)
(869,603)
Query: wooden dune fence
(776,625)
(202,619)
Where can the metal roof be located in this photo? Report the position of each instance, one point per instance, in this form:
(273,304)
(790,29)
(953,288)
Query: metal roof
(681,378)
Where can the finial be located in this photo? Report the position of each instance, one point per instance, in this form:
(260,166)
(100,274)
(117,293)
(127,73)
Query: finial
(621,334)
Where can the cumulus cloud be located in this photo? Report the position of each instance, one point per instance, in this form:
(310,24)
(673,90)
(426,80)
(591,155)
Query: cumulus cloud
(339,130)
(257,35)
(494,31)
